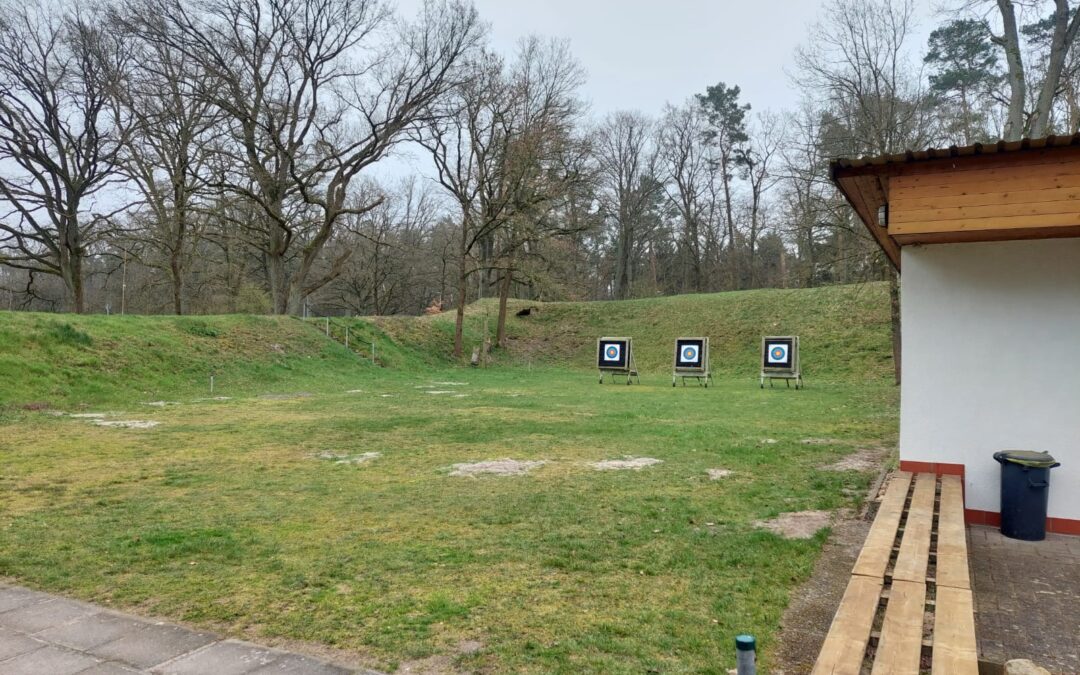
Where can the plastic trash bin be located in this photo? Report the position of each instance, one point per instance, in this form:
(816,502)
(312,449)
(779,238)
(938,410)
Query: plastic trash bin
(1025,490)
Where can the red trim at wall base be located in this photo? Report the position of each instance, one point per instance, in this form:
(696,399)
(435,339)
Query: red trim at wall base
(1055,525)
(977,517)
(940,468)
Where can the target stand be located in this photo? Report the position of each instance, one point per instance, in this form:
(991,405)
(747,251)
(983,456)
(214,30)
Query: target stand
(780,360)
(615,357)
(692,361)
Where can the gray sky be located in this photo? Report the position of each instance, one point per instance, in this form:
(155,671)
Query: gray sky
(641,54)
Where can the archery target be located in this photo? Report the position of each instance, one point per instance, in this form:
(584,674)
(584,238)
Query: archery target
(612,353)
(779,353)
(690,353)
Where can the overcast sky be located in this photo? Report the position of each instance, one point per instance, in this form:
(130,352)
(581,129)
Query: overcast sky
(641,54)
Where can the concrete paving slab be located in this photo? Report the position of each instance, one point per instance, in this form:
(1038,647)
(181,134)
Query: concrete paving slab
(13,644)
(153,645)
(91,631)
(11,598)
(231,657)
(294,664)
(111,668)
(41,615)
(47,635)
(49,659)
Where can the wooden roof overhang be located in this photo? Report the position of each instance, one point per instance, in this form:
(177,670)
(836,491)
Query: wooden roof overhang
(1026,189)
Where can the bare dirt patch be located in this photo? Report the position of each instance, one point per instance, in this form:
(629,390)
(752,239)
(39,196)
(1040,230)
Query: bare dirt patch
(863,459)
(340,458)
(634,463)
(717,474)
(88,416)
(496,467)
(797,525)
(127,424)
(821,441)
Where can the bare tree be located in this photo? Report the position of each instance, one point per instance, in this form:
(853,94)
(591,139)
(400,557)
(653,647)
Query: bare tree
(314,92)
(627,167)
(58,140)
(168,154)
(689,176)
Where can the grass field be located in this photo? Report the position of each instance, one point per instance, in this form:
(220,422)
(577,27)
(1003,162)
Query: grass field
(249,515)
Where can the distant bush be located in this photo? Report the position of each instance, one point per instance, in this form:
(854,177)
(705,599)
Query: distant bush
(66,334)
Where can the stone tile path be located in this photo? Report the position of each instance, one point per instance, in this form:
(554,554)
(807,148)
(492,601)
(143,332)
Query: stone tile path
(1027,598)
(45,634)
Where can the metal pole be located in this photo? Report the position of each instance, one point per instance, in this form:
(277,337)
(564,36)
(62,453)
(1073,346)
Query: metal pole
(746,654)
(211,384)
(346,337)
(327,326)
(373,352)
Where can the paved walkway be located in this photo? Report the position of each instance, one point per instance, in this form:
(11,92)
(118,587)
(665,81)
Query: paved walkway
(45,634)
(1026,598)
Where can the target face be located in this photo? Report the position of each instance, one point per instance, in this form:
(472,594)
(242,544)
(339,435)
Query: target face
(612,354)
(779,353)
(690,353)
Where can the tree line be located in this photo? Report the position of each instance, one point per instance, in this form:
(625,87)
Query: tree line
(198,156)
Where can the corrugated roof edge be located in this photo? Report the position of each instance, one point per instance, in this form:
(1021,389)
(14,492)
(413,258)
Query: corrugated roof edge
(911,156)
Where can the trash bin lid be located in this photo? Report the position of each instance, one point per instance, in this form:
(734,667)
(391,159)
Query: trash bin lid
(1037,460)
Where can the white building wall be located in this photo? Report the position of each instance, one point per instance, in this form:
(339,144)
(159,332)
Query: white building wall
(991,361)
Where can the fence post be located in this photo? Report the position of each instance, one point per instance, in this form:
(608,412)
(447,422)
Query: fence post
(327,326)
(346,337)
(372,352)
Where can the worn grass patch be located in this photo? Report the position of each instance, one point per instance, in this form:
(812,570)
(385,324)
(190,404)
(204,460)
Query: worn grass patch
(228,515)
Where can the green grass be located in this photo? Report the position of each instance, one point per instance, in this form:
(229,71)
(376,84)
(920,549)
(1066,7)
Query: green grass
(224,515)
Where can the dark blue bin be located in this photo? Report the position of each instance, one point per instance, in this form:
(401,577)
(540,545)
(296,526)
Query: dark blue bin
(1025,491)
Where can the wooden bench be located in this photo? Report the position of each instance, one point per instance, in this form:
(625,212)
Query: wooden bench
(914,563)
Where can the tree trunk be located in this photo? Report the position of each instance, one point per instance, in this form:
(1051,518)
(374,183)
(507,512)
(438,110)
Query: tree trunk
(1064,35)
(504,296)
(894,320)
(177,271)
(278,281)
(463,289)
(1010,42)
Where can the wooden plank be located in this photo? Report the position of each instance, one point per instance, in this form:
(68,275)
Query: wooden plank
(1054,220)
(1003,193)
(971,172)
(845,645)
(874,557)
(945,215)
(900,648)
(915,546)
(988,235)
(954,651)
(952,555)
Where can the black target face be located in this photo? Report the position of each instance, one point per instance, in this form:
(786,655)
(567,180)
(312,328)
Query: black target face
(689,353)
(612,354)
(779,353)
